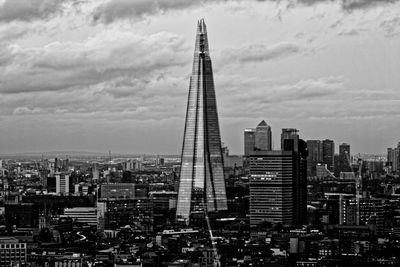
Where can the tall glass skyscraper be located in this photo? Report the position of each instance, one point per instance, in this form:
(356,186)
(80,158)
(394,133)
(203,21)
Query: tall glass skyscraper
(202,186)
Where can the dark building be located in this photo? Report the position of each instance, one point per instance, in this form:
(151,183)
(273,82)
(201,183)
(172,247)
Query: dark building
(249,141)
(314,148)
(164,207)
(137,213)
(21,215)
(328,154)
(55,205)
(290,141)
(344,158)
(202,185)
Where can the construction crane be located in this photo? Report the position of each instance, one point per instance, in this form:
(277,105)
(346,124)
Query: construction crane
(358,181)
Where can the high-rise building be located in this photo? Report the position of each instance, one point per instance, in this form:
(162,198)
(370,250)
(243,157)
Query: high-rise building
(344,157)
(393,159)
(278,182)
(263,136)
(328,153)
(290,141)
(249,141)
(202,185)
(62,183)
(271,187)
(259,138)
(314,148)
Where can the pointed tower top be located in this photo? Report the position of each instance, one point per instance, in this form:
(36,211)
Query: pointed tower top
(201,39)
(262,123)
(201,26)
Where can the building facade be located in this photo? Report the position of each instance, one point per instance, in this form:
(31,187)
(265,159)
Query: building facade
(117,191)
(328,153)
(202,185)
(290,141)
(344,158)
(263,136)
(82,214)
(271,187)
(249,140)
(12,253)
(314,148)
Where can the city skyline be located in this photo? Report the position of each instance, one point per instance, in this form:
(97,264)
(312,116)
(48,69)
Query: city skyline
(111,75)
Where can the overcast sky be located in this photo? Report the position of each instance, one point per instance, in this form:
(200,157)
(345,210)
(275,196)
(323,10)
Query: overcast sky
(99,75)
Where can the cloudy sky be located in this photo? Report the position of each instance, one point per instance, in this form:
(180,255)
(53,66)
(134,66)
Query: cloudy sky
(95,75)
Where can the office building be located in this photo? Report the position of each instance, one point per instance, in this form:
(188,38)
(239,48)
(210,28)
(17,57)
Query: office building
(314,148)
(137,213)
(62,183)
(393,159)
(117,191)
(12,253)
(328,154)
(21,215)
(263,136)
(86,215)
(59,183)
(271,187)
(290,141)
(249,141)
(202,185)
(344,159)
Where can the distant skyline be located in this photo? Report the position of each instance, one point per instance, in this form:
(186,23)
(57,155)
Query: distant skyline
(99,75)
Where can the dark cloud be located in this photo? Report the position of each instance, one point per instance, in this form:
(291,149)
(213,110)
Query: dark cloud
(136,9)
(345,4)
(359,4)
(27,10)
(116,9)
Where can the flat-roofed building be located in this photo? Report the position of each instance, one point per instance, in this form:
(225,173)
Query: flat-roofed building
(271,187)
(82,214)
(11,251)
(118,191)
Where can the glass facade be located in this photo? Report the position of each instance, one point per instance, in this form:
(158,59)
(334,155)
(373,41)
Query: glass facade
(202,183)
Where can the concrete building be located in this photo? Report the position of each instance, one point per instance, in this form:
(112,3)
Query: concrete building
(328,154)
(117,191)
(82,214)
(11,251)
(314,148)
(271,187)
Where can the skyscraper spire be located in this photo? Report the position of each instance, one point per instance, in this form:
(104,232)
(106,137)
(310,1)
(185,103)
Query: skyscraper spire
(202,186)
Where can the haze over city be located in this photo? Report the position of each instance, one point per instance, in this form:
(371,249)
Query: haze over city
(101,75)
